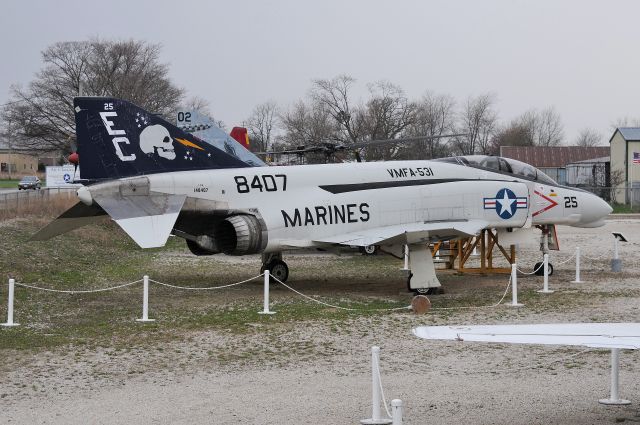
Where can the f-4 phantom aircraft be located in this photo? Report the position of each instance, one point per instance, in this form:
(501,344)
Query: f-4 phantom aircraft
(154,180)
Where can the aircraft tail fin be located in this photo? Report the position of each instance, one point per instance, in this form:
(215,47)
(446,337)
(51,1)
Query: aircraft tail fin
(119,139)
(203,127)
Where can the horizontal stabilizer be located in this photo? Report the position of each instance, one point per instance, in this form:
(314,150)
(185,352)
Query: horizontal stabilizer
(77,216)
(148,220)
(150,231)
(594,335)
(409,233)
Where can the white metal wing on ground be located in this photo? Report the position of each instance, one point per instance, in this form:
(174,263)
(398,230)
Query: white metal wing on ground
(595,335)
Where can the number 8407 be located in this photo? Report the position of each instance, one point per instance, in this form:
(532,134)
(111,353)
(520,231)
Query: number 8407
(262,183)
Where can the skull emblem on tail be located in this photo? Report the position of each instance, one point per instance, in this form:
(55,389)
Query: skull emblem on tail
(156,140)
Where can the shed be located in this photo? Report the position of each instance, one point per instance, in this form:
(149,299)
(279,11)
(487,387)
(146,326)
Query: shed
(553,160)
(624,173)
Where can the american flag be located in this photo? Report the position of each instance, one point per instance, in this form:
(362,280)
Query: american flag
(636,157)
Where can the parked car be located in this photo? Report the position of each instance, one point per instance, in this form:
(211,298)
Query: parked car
(29,182)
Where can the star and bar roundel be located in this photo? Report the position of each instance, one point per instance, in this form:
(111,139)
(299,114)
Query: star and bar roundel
(506,203)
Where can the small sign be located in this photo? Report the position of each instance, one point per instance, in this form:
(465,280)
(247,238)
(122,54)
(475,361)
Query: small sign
(62,176)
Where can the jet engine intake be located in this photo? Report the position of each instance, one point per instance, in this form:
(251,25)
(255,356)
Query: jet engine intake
(203,245)
(240,235)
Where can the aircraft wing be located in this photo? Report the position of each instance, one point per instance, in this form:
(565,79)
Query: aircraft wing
(409,233)
(595,335)
(77,216)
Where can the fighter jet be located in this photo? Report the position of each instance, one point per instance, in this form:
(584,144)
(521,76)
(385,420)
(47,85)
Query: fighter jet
(155,180)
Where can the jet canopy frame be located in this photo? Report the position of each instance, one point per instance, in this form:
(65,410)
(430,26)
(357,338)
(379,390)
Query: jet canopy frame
(502,165)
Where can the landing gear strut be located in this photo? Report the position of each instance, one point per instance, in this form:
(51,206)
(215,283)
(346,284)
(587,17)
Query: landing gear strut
(277,268)
(422,291)
(425,281)
(544,247)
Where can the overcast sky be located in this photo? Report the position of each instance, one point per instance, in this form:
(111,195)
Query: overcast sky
(582,57)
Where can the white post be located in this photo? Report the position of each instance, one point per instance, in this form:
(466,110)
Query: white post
(375,393)
(577,266)
(615,248)
(12,284)
(265,309)
(396,411)
(615,369)
(631,189)
(545,288)
(406,257)
(514,286)
(145,301)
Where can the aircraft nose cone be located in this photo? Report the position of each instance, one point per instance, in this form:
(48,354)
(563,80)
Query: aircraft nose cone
(594,211)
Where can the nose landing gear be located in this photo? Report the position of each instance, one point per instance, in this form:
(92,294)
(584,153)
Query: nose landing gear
(277,268)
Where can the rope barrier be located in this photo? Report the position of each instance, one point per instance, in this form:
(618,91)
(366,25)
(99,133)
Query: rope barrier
(384,400)
(88,291)
(535,270)
(481,306)
(204,288)
(336,306)
(568,259)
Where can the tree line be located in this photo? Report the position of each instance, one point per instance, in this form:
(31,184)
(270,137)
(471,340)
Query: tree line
(40,116)
(328,113)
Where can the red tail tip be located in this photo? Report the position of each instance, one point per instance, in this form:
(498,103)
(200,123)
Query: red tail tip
(241,136)
(74,158)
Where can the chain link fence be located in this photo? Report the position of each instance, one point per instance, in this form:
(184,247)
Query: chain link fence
(22,202)
(622,198)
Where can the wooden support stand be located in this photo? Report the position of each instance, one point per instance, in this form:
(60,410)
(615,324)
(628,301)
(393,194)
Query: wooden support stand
(460,250)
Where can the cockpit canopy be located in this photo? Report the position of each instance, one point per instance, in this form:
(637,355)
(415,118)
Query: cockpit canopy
(501,165)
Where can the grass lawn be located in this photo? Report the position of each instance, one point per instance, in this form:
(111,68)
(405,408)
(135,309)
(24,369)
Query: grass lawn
(9,183)
(625,209)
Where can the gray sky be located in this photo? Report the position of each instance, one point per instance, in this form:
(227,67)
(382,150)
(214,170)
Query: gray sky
(582,57)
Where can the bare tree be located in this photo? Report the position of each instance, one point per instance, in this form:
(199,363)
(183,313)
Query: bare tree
(386,115)
(478,121)
(549,130)
(306,124)
(588,137)
(41,116)
(625,122)
(201,105)
(261,126)
(333,97)
(514,134)
(435,116)
(531,128)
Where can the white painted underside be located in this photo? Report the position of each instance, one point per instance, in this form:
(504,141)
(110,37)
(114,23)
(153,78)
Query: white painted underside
(150,231)
(595,335)
(407,233)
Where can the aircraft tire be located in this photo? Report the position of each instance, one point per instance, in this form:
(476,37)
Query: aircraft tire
(537,268)
(427,291)
(540,270)
(422,291)
(279,270)
(369,249)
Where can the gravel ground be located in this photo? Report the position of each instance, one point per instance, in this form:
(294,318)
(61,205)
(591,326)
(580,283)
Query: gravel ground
(316,372)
